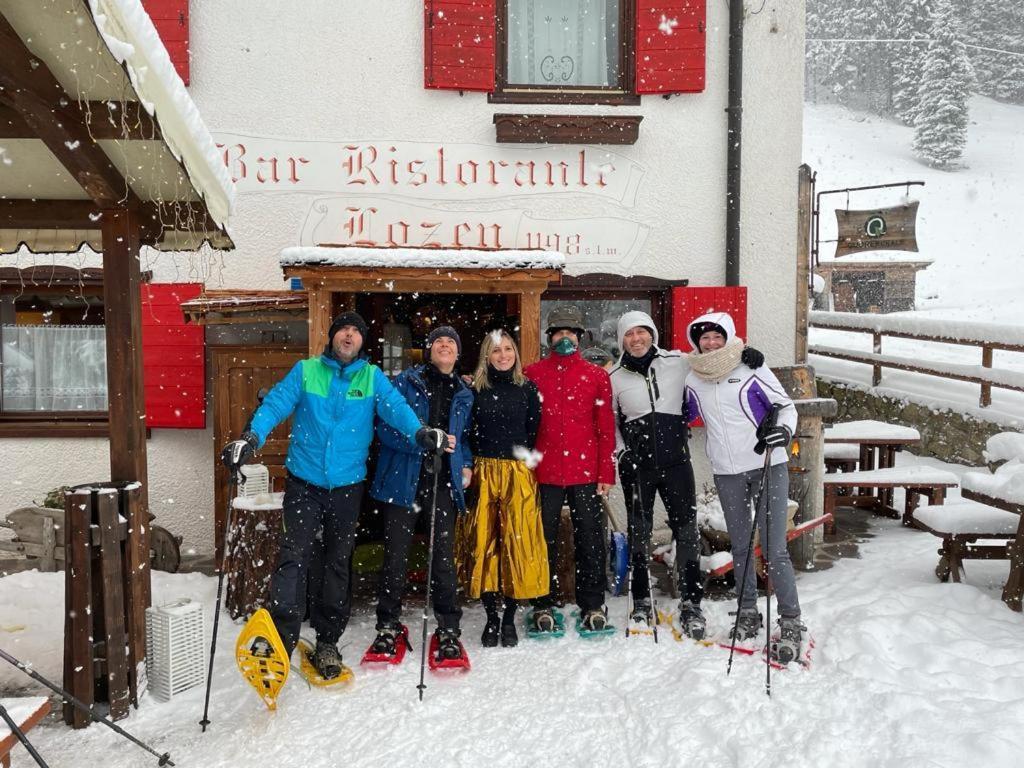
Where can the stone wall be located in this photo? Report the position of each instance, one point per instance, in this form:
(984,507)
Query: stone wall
(945,434)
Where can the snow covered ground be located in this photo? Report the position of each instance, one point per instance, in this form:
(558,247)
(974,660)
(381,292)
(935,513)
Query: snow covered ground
(970,226)
(907,671)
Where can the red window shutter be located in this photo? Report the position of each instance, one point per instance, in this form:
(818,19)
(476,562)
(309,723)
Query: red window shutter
(670,46)
(690,302)
(170,17)
(458,44)
(173,358)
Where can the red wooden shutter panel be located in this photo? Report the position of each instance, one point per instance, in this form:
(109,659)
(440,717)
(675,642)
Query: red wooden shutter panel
(173,358)
(690,302)
(170,17)
(670,46)
(458,50)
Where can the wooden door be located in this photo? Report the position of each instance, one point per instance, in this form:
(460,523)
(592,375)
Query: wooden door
(238,374)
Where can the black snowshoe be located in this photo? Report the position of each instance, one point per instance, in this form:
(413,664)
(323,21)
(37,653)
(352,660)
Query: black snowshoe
(642,613)
(789,645)
(448,645)
(749,624)
(692,621)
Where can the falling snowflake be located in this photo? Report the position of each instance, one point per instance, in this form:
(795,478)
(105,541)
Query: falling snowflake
(667,25)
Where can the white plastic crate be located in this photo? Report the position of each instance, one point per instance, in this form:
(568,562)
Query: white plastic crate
(175,648)
(257,480)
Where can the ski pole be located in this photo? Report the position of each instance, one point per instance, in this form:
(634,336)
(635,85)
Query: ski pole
(21,737)
(766,496)
(746,560)
(233,483)
(630,526)
(648,535)
(430,572)
(164,759)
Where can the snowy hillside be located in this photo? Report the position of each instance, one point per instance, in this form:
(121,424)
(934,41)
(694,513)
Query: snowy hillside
(971,222)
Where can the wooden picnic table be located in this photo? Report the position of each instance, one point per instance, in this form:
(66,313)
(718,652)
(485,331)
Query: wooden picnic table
(1013,592)
(878,441)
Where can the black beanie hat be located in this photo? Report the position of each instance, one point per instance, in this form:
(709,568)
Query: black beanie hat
(699,329)
(347,318)
(445,330)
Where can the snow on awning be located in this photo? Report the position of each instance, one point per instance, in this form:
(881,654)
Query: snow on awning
(424,258)
(112,70)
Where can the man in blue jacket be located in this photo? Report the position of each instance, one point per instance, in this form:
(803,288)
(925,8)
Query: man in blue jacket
(334,399)
(404,482)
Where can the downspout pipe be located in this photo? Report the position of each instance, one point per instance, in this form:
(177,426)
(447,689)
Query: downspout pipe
(733,179)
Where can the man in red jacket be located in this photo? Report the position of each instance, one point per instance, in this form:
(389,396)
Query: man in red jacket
(577,440)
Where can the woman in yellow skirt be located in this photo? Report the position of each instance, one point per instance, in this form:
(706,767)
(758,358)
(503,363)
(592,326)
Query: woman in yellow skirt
(500,546)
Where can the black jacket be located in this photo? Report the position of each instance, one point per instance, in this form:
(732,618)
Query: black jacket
(504,416)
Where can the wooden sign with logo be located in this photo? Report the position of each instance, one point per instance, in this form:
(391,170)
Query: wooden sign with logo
(881,229)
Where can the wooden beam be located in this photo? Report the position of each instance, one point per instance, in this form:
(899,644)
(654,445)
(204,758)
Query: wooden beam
(105,120)
(122,302)
(85,214)
(29,87)
(320,307)
(529,326)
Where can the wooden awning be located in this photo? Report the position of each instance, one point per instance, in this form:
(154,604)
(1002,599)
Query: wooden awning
(93,117)
(224,307)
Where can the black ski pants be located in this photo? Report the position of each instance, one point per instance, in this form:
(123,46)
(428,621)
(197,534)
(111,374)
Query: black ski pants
(675,485)
(588,537)
(399,527)
(307,509)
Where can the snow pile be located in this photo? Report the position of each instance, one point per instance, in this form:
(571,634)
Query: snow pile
(908,322)
(903,475)
(961,517)
(429,258)
(1006,446)
(709,512)
(1005,484)
(131,38)
(259,501)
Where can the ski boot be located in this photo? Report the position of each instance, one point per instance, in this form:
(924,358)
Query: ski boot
(327,660)
(386,642)
(642,612)
(691,620)
(749,624)
(448,645)
(544,620)
(509,636)
(492,630)
(789,646)
(595,620)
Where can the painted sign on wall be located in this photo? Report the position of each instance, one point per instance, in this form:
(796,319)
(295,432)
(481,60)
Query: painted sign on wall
(383,222)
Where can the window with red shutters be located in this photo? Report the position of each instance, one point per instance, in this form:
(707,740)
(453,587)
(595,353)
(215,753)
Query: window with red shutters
(170,17)
(459,44)
(670,46)
(173,358)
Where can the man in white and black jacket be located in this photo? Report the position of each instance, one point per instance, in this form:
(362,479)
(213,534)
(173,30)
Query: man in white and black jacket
(651,442)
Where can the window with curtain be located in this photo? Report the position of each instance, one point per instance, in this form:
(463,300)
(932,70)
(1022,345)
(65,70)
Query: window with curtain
(53,368)
(563,43)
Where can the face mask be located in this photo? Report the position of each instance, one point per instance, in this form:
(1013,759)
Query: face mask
(564,346)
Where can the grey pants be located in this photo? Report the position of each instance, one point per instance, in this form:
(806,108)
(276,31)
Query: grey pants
(736,493)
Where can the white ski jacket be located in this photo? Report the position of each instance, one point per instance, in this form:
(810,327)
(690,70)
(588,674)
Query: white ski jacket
(733,407)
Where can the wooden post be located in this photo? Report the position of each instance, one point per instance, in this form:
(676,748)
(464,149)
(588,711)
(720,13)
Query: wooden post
(122,307)
(803,261)
(529,327)
(1013,592)
(986,388)
(136,577)
(114,635)
(319,318)
(876,370)
(78,605)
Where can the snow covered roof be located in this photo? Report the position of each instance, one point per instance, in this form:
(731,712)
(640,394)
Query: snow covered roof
(107,57)
(427,258)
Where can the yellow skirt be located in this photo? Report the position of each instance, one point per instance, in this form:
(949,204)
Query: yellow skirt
(503,533)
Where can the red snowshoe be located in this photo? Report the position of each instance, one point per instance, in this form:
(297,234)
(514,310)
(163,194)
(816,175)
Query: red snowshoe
(444,644)
(389,646)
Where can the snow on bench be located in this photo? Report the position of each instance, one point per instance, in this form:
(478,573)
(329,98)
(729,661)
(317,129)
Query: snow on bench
(869,429)
(959,525)
(1003,489)
(1006,446)
(901,476)
(26,712)
(842,451)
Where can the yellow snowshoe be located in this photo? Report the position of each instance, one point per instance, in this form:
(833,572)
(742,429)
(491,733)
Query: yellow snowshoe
(308,670)
(261,657)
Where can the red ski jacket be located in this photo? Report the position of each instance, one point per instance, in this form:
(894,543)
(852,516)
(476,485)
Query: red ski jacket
(577,427)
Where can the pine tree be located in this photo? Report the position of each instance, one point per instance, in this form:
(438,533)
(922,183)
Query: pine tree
(940,128)
(912,22)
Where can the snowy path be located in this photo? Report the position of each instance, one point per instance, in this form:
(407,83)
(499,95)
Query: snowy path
(907,672)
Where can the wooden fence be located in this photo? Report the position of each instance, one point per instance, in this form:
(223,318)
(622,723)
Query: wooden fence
(988,337)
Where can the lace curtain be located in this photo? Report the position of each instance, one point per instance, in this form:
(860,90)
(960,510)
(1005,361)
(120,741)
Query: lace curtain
(571,43)
(54,368)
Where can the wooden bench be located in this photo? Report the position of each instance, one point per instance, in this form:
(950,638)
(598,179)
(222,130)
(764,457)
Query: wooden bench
(841,457)
(988,489)
(960,525)
(918,481)
(26,713)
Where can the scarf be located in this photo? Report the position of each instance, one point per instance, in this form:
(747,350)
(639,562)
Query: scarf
(639,364)
(716,365)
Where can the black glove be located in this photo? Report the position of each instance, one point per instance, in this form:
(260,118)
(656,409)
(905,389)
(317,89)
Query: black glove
(237,452)
(751,358)
(776,437)
(430,439)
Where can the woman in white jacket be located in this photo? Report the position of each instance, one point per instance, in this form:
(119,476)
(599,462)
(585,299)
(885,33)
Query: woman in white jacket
(733,400)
